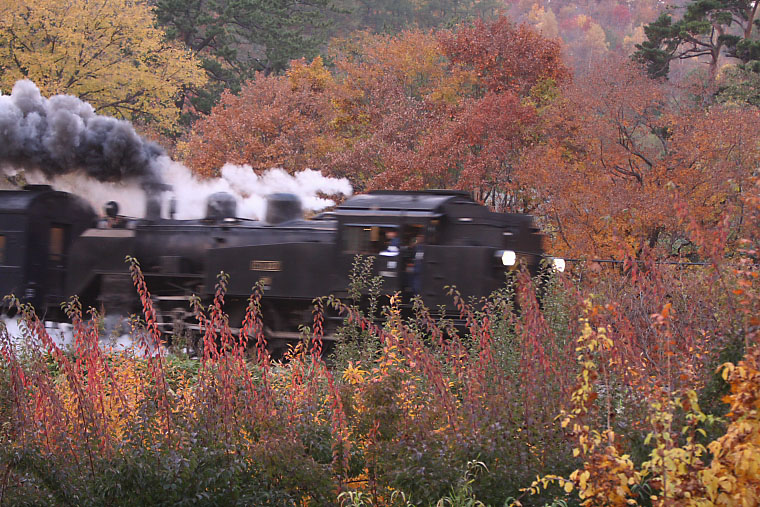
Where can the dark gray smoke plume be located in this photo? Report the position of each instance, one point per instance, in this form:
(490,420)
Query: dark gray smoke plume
(62,134)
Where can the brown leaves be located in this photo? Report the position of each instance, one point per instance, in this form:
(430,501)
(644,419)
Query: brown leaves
(416,110)
(273,122)
(504,56)
(634,163)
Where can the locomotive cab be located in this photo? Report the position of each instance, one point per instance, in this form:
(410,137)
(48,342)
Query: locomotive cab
(423,241)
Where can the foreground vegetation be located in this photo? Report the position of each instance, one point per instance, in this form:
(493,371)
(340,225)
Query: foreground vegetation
(637,385)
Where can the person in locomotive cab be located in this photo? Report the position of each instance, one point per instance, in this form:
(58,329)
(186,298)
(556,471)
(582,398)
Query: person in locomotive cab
(113,220)
(393,242)
(419,256)
(391,254)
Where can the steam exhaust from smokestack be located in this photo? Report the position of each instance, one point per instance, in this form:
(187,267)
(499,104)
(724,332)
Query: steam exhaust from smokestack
(154,200)
(61,141)
(63,134)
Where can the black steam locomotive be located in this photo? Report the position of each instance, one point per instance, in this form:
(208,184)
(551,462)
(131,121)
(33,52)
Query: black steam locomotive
(53,245)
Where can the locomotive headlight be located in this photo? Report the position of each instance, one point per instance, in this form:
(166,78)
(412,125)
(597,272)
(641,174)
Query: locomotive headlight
(558,264)
(508,257)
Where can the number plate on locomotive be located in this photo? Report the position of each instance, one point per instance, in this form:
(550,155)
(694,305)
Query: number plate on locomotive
(265,266)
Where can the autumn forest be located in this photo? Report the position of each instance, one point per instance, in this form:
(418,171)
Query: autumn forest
(625,127)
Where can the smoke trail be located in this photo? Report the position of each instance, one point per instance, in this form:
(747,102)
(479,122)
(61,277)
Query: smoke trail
(249,189)
(61,141)
(63,134)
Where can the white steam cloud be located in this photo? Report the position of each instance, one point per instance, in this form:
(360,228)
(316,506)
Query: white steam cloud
(249,189)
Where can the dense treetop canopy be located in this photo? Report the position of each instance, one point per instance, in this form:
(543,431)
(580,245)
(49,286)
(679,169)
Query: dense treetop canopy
(107,53)
(541,107)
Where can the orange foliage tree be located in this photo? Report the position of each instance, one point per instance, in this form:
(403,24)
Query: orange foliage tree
(392,90)
(453,112)
(275,121)
(620,154)
(447,109)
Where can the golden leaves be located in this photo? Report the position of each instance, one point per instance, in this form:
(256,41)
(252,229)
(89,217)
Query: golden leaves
(732,477)
(314,76)
(106,53)
(353,374)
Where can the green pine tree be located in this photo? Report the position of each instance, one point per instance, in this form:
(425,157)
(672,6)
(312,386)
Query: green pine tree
(708,28)
(237,38)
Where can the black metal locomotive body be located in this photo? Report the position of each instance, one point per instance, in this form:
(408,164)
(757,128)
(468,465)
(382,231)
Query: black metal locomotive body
(53,246)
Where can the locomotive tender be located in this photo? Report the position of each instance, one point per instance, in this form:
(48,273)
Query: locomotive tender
(53,245)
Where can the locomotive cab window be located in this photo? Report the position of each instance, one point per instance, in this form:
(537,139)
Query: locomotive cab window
(412,234)
(363,239)
(57,243)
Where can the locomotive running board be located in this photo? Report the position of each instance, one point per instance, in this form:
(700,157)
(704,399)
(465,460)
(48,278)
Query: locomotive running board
(270,335)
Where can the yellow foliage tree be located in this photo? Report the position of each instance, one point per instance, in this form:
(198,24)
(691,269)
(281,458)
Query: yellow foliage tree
(544,20)
(105,52)
(678,472)
(733,477)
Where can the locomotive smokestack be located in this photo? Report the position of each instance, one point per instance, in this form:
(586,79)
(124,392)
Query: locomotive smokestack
(221,205)
(153,201)
(63,134)
(283,208)
(152,206)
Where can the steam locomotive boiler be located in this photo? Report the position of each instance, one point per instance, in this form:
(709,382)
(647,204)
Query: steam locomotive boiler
(53,245)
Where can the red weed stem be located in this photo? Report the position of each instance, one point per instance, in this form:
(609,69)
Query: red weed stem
(155,361)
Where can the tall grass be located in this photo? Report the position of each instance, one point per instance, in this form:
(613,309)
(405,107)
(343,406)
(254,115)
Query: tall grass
(410,409)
